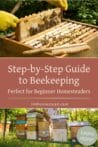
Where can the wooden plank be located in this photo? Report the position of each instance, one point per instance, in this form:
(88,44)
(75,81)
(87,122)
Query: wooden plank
(74,48)
(81,23)
(13,47)
(85,35)
(91,37)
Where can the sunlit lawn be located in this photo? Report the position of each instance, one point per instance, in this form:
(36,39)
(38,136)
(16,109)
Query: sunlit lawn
(13,141)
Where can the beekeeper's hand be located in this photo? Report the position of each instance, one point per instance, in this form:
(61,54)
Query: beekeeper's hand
(7,20)
(63,4)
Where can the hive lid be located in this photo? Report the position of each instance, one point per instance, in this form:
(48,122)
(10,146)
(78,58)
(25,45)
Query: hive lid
(76,123)
(59,116)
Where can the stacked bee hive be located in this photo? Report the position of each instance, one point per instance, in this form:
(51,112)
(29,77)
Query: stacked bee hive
(32,125)
(44,130)
(21,126)
(37,126)
(59,132)
(75,126)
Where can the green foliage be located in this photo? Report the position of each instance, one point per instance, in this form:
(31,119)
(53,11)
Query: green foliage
(27,7)
(7,5)
(90,115)
(12,113)
(81,10)
(88,12)
(94,118)
(12,141)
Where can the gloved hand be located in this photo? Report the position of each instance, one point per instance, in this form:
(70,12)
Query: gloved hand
(7,20)
(63,4)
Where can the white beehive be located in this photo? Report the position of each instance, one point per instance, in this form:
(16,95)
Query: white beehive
(59,128)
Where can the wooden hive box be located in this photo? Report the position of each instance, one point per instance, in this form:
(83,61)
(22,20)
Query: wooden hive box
(44,130)
(59,128)
(75,126)
(37,126)
(32,124)
(46,34)
(21,126)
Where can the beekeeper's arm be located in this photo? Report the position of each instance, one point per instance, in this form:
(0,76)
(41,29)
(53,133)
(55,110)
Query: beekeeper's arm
(7,20)
(63,4)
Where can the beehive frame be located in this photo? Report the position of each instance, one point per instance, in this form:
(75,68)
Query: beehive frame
(35,23)
(78,37)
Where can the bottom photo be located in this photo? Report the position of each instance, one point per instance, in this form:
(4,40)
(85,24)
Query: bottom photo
(48,127)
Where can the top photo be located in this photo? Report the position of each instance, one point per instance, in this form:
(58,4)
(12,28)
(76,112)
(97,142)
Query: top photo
(49,28)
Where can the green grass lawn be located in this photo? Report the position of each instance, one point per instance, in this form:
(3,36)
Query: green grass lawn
(25,143)
(13,141)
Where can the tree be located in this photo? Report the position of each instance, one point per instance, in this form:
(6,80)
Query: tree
(5,122)
(9,114)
